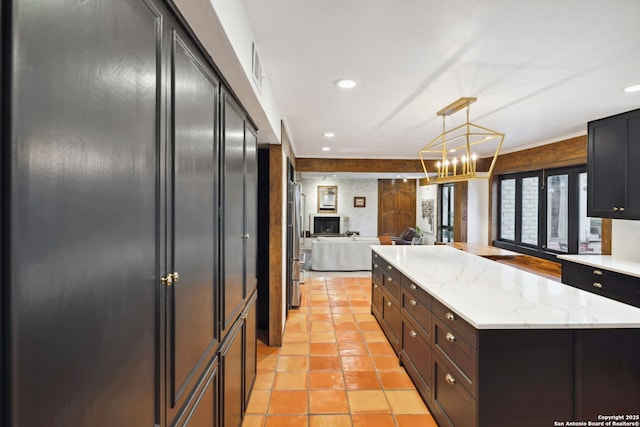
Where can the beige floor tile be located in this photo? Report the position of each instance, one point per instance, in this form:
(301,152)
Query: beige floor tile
(406,402)
(295,380)
(258,402)
(293,363)
(368,401)
(331,421)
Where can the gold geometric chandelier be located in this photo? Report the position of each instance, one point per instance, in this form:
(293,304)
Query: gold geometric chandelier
(457,157)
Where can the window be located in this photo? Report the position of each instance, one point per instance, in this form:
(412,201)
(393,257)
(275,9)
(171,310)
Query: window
(446,206)
(546,212)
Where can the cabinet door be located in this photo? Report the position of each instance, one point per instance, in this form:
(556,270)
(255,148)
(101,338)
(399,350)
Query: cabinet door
(250,348)
(192,328)
(84,212)
(607,360)
(251,207)
(232,224)
(231,367)
(605,170)
(631,189)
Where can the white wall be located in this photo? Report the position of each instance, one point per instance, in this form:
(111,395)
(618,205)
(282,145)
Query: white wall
(625,240)
(424,193)
(364,220)
(478,211)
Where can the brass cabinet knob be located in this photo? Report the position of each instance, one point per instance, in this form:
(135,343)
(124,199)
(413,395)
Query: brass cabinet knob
(176,277)
(450,316)
(375,255)
(375,286)
(413,287)
(389,279)
(597,285)
(450,337)
(375,266)
(413,302)
(621,208)
(389,303)
(450,379)
(389,267)
(597,272)
(413,333)
(615,208)
(167,280)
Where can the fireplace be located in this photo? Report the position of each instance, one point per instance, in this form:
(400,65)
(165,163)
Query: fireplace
(320,224)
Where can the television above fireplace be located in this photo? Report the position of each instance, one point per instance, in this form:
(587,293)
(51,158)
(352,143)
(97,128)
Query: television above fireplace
(328,224)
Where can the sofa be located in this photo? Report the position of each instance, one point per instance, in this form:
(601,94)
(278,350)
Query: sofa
(342,253)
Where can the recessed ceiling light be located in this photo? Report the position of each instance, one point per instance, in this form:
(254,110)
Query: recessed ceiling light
(326,149)
(329,134)
(634,88)
(345,83)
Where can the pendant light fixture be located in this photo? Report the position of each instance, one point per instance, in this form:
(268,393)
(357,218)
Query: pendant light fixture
(457,148)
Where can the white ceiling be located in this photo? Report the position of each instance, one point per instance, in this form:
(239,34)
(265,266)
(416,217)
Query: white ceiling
(541,69)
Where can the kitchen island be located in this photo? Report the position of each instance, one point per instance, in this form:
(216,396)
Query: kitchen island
(488,345)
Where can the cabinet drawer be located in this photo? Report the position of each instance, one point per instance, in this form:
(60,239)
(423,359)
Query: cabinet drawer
(391,282)
(376,266)
(417,311)
(417,351)
(454,406)
(459,352)
(609,284)
(376,296)
(418,293)
(460,326)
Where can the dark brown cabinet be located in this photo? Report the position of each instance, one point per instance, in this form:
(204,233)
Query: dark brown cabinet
(128,245)
(386,299)
(238,364)
(613,173)
(471,377)
(610,284)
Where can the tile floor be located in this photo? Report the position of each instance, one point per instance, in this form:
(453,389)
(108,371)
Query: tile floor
(335,367)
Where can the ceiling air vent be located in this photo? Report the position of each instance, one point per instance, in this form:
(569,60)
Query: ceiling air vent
(256,67)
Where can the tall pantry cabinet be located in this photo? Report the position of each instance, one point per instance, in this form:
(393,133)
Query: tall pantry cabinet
(118,305)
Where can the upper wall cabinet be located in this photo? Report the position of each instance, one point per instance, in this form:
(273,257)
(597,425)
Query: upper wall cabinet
(614,155)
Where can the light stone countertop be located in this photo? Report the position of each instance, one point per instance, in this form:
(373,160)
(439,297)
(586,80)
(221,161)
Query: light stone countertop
(606,262)
(491,295)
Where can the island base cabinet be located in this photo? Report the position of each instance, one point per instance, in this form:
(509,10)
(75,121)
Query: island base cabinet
(607,360)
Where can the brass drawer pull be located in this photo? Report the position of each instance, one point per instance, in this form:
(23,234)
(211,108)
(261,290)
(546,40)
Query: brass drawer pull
(389,267)
(375,265)
(450,316)
(375,286)
(615,208)
(450,379)
(389,303)
(389,279)
(597,285)
(621,208)
(597,272)
(450,337)
(413,287)
(413,334)
(413,302)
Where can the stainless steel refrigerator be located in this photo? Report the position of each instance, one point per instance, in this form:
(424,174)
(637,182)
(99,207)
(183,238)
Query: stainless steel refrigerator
(295,227)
